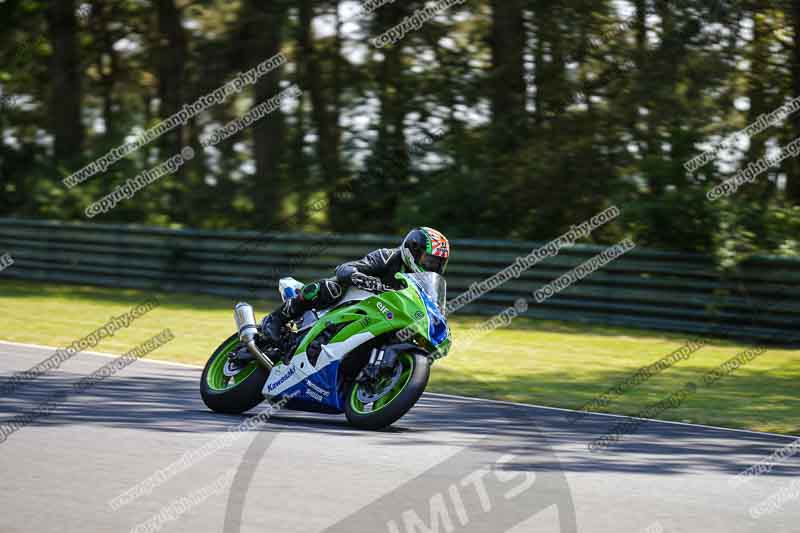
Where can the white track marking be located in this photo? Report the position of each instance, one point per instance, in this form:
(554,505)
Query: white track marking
(455,396)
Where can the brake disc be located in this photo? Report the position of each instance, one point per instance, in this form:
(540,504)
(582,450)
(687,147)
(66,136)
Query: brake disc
(231,368)
(366,398)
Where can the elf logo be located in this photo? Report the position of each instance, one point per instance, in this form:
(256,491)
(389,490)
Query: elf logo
(385,310)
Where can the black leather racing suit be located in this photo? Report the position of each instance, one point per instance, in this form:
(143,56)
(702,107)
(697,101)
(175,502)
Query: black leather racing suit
(383,264)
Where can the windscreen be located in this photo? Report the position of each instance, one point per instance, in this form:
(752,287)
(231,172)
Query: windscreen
(434,286)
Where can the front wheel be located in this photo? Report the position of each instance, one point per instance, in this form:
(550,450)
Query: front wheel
(231,394)
(390,398)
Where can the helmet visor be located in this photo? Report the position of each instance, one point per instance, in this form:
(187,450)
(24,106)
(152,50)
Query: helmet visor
(433,263)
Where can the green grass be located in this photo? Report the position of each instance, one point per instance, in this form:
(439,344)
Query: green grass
(541,362)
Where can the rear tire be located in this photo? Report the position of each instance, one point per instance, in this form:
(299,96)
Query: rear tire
(398,406)
(236,398)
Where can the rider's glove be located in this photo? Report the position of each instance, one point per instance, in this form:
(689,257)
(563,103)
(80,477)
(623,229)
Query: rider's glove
(367,283)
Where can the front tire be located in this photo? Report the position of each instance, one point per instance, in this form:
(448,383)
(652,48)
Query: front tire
(234,395)
(382,413)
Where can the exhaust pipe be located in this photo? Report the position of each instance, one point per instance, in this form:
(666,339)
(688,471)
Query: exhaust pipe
(246,325)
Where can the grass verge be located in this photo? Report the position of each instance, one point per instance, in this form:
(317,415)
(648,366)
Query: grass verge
(532,361)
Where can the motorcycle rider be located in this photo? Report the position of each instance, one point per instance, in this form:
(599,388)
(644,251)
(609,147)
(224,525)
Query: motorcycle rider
(422,250)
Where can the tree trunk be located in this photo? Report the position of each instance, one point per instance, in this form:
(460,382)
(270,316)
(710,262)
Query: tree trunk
(793,184)
(266,20)
(324,115)
(171,66)
(393,159)
(508,90)
(65,99)
(759,87)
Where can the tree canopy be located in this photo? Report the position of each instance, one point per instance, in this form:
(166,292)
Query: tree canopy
(483,118)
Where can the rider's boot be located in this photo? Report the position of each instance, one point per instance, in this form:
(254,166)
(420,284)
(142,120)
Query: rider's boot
(273,324)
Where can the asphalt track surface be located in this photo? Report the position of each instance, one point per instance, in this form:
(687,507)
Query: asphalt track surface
(480,465)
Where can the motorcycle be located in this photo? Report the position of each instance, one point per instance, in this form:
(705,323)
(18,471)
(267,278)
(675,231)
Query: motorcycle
(369,356)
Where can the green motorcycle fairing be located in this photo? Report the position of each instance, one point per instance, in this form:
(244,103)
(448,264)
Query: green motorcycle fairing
(317,386)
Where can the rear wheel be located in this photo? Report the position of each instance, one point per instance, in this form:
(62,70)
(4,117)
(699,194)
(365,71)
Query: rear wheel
(227,391)
(384,402)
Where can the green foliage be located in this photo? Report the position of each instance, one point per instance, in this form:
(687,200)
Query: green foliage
(583,105)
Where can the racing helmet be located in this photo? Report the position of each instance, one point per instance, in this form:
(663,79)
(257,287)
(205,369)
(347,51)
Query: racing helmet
(425,250)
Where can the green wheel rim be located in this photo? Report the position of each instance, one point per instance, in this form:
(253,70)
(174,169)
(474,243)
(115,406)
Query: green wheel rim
(407,360)
(216,378)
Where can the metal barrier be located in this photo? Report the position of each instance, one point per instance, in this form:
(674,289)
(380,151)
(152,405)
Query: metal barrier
(649,289)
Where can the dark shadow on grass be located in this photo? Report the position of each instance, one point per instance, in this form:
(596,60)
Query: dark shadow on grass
(168,300)
(171,403)
(742,400)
